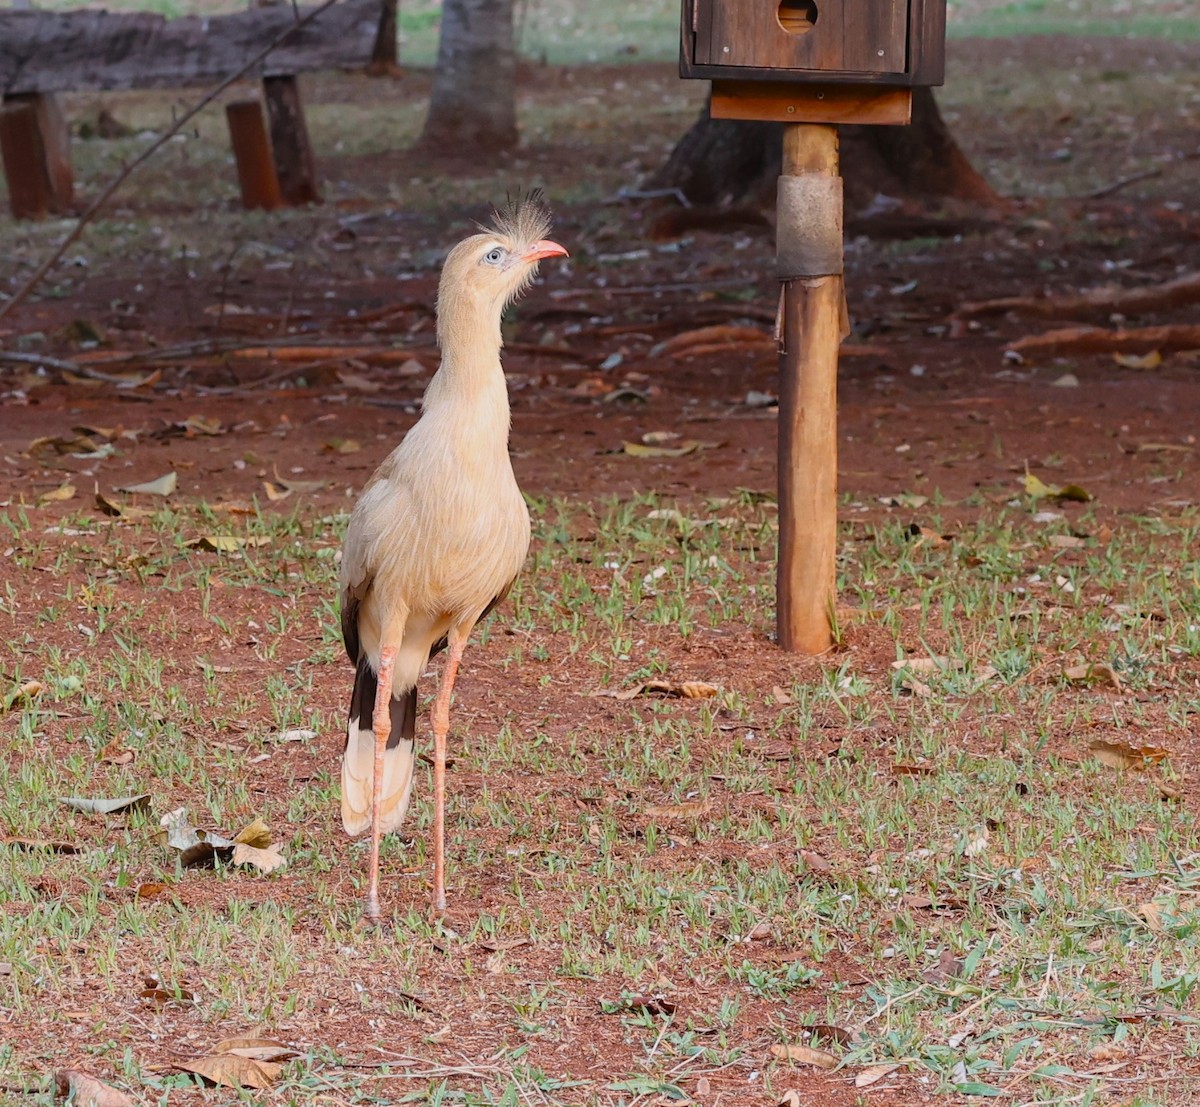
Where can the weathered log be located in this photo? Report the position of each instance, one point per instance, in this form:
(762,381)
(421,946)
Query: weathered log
(252,152)
(294,162)
(1070,341)
(1180,292)
(51,51)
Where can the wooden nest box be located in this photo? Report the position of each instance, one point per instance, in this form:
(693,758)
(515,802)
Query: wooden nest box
(831,61)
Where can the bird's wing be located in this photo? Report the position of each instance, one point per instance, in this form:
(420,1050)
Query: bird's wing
(357,571)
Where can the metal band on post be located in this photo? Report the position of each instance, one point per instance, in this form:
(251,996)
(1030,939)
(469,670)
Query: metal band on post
(808,236)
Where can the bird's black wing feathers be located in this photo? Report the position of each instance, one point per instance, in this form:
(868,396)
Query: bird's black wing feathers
(402,709)
(350,604)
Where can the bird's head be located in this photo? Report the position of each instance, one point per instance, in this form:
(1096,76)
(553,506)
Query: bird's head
(486,272)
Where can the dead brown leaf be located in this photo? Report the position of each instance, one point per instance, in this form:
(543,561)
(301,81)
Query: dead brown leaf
(947,967)
(152,889)
(87,1091)
(693,809)
(157,994)
(912,770)
(50,845)
(229,1070)
(23,694)
(872,1074)
(805,1055)
(266,860)
(1093,673)
(257,1049)
(115,754)
(824,1032)
(687,689)
(1118,755)
(1152,915)
(815,862)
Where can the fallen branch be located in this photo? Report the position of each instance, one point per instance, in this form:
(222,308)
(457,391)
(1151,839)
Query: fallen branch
(1167,339)
(62,366)
(1180,292)
(94,208)
(1120,183)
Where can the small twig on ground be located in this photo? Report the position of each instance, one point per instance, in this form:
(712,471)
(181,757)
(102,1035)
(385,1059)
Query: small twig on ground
(1116,186)
(97,204)
(62,366)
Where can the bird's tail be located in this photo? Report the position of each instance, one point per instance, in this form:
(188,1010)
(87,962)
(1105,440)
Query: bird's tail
(358,760)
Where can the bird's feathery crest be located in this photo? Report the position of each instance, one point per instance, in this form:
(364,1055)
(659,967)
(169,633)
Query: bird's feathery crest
(522,221)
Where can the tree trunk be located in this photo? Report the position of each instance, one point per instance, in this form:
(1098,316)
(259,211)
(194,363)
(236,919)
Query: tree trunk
(723,161)
(384,61)
(473,106)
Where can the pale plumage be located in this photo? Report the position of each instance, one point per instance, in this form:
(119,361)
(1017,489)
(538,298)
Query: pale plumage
(438,535)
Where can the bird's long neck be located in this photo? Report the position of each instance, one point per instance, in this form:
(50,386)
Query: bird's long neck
(469,387)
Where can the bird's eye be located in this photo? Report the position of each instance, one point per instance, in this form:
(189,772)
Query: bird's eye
(494,256)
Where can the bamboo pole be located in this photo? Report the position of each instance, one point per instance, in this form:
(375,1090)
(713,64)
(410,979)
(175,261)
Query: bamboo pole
(812,328)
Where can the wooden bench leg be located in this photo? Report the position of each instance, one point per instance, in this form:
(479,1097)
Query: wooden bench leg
(35,144)
(289,141)
(252,152)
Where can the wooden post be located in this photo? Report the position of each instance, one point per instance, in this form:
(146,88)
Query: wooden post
(812,313)
(35,144)
(289,141)
(252,152)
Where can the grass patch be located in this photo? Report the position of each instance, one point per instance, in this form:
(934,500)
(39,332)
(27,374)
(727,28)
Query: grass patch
(915,870)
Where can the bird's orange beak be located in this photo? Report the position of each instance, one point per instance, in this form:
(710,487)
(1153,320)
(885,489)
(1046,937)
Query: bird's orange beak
(545,249)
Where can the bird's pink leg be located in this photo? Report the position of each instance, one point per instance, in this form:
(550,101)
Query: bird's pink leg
(441,732)
(381,724)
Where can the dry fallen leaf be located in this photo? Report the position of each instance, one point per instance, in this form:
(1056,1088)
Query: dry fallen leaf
(115,753)
(947,966)
(805,1055)
(1118,755)
(257,834)
(791,1098)
(228,543)
(87,1091)
(158,994)
(816,862)
(23,694)
(693,809)
(257,1049)
(928,664)
(343,446)
(62,492)
(152,890)
(229,1070)
(1093,673)
(50,845)
(641,449)
(1152,360)
(162,486)
(265,860)
(105,806)
(688,689)
(1152,914)
(873,1074)
(120,511)
(357,381)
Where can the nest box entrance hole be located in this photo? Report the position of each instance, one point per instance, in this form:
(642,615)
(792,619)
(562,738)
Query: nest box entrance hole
(797,16)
